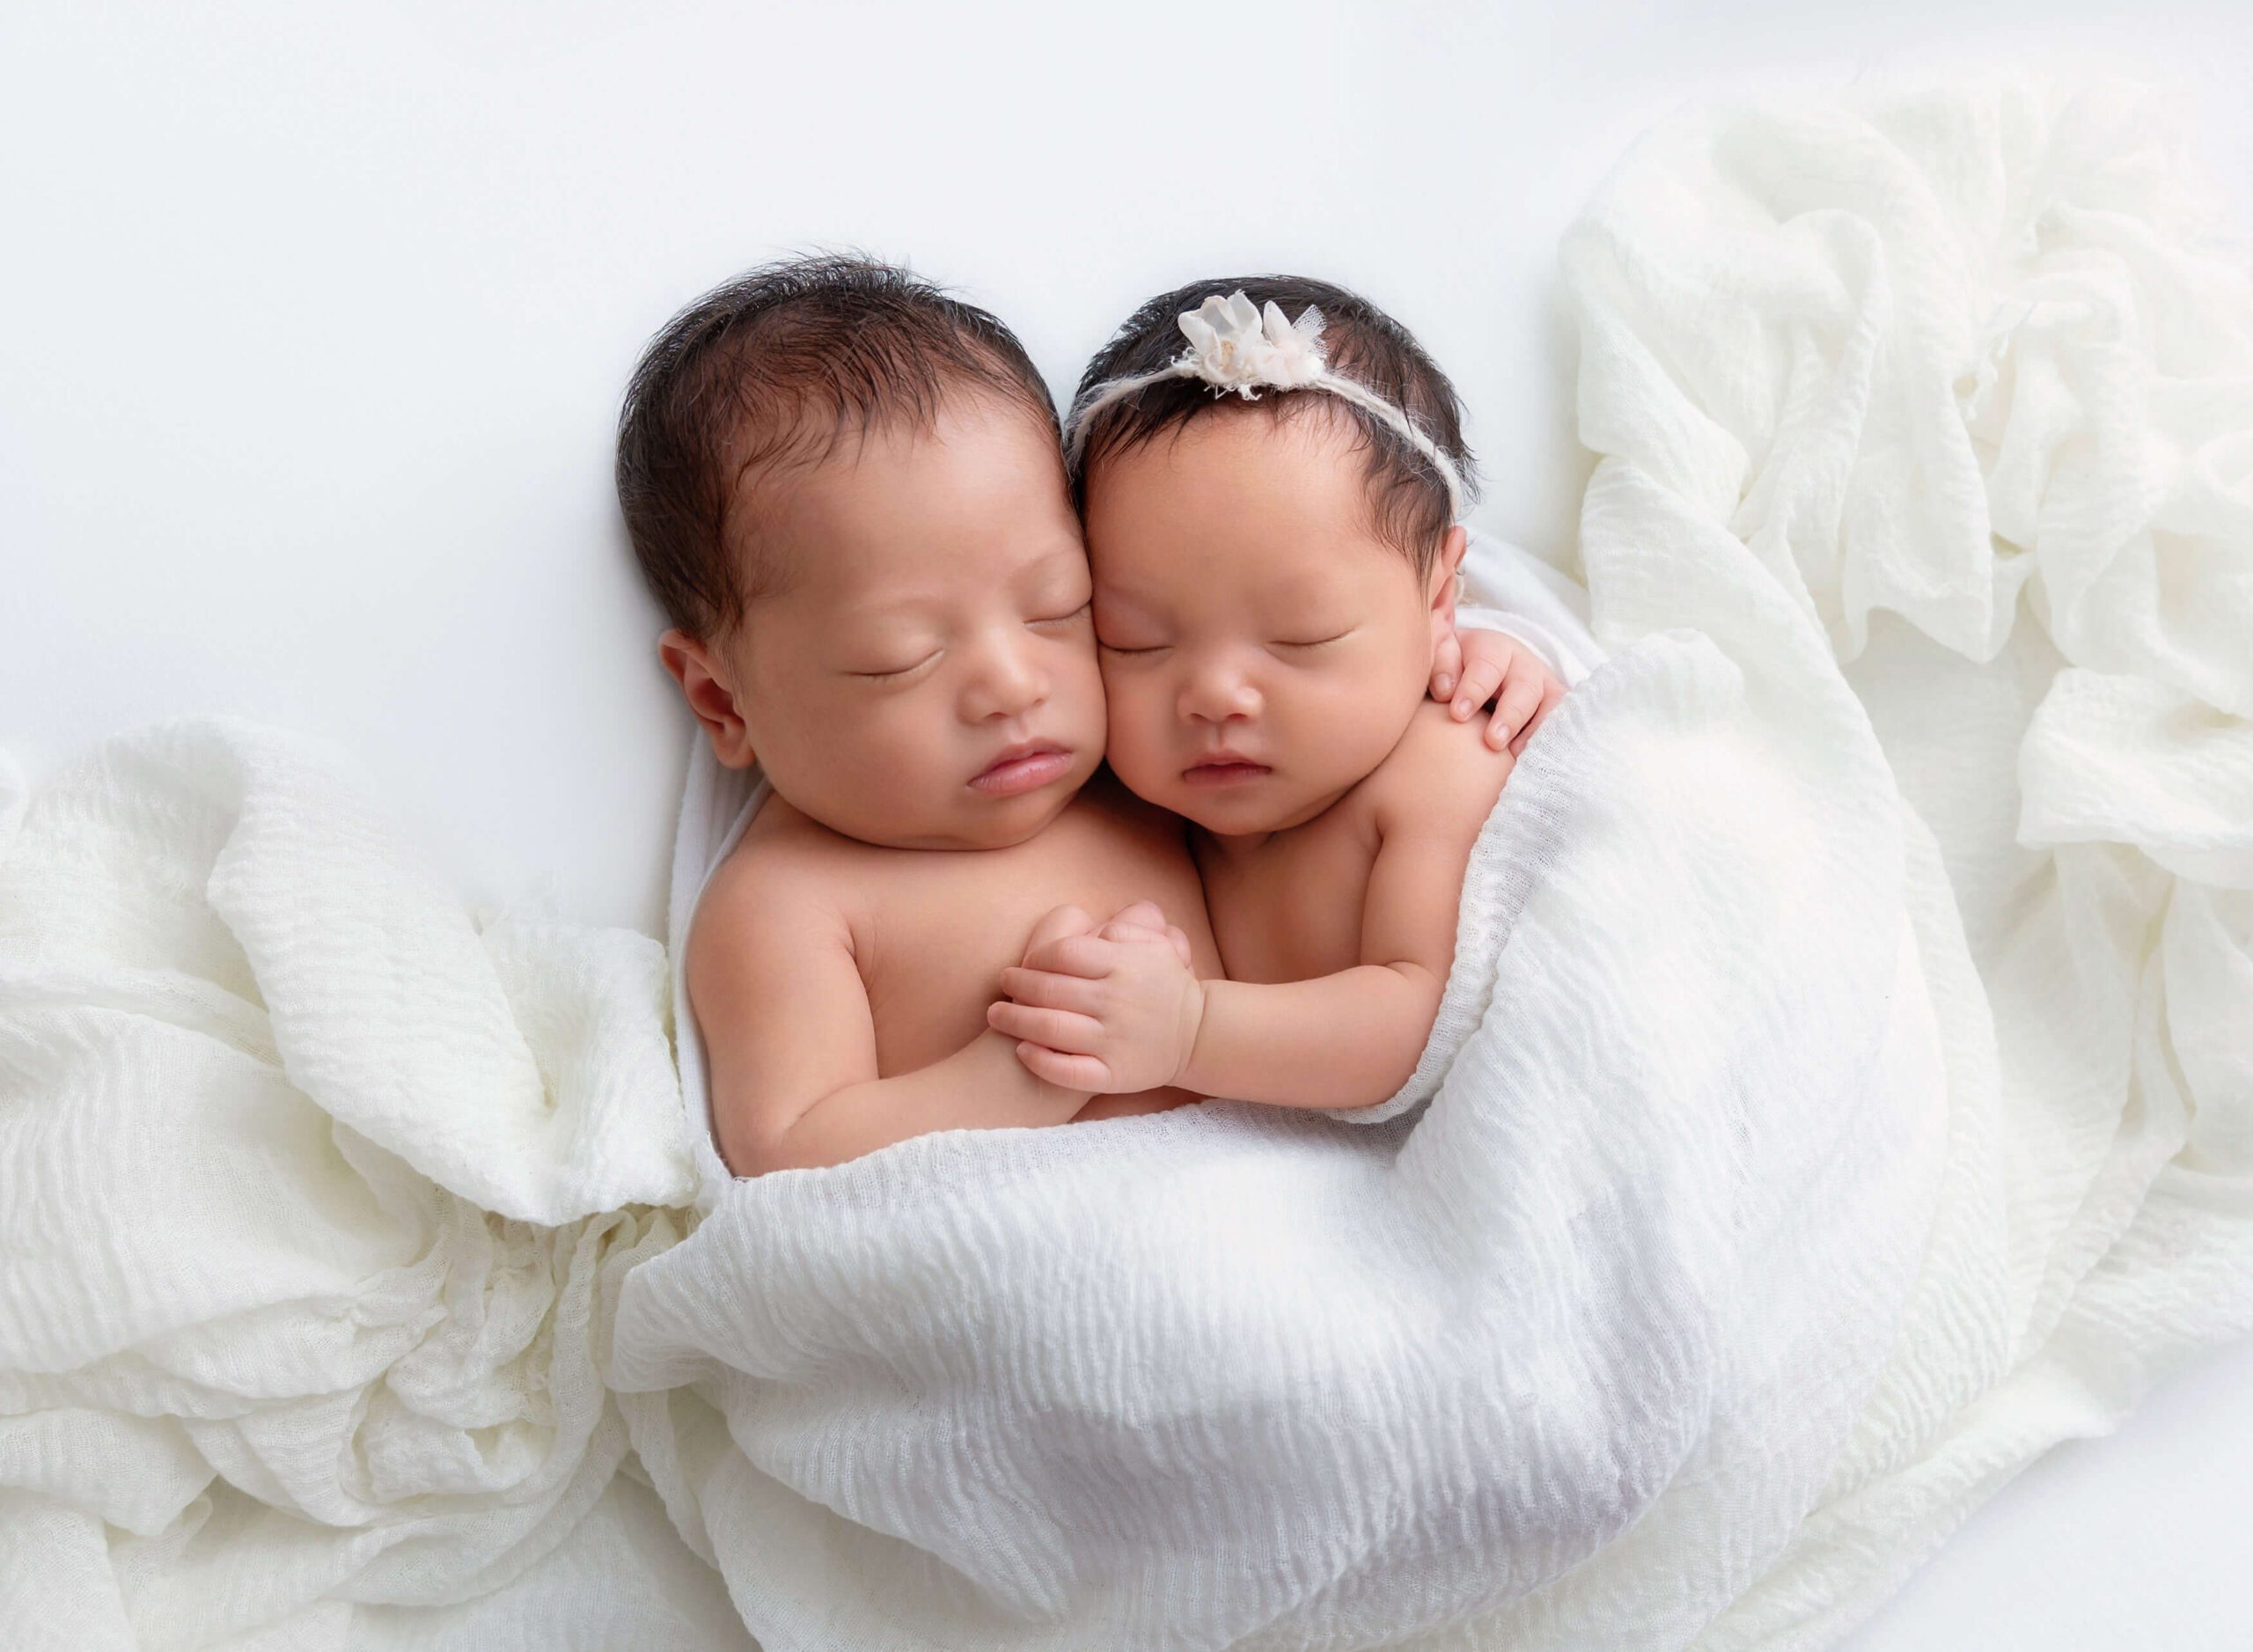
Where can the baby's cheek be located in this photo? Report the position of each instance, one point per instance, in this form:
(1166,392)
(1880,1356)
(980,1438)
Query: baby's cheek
(1136,742)
(1092,691)
(1358,719)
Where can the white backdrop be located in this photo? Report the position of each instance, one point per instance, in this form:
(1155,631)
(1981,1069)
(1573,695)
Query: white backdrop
(315,320)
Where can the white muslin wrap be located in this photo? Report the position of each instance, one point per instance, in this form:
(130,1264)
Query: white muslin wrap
(315,1197)
(1233,1375)
(1843,1092)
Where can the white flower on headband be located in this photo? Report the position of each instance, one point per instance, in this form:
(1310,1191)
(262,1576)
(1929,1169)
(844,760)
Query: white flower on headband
(1234,346)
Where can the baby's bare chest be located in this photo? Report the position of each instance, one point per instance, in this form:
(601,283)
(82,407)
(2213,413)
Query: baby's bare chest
(1291,910)
(933,932)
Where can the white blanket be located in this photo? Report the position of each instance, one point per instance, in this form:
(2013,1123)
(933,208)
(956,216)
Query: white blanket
(1844,1091)
(1235,1375)
(314,1202)
(1966,376)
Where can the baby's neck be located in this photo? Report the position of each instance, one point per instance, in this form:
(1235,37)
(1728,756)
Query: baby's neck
(1231,846)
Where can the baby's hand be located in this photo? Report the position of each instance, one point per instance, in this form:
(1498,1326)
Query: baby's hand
(1110,1012)
(1491,661)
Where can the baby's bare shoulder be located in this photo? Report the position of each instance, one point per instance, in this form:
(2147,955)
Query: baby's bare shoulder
(784,878)
(1442,776)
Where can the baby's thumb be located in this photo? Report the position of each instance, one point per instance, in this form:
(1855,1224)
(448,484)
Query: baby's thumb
(1143,914)
(1057,923)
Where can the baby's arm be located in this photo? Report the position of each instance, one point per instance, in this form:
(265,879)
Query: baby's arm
(1119,1010)
(1353,1039)
(792,1045)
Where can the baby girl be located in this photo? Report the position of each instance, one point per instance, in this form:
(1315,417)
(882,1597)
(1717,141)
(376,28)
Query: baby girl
(847,490)
(1275,575)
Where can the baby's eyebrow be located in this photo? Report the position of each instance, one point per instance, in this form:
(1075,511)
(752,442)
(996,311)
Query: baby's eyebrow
(880,611)
(1061,560)
(1116,605)
(1308,590)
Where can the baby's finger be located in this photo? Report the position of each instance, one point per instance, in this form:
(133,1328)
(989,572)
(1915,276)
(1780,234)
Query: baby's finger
(1179,943)
(1081,1074)
(1085,955)
(1046,991)
(1520,697)
(1145,914)
(1117,930)
(1447,665)
(1550,698)
(1058,1029)
(1055,924)
(1480,679)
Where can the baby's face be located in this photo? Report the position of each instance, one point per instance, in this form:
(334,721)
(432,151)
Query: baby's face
(926,677)
(1263,650)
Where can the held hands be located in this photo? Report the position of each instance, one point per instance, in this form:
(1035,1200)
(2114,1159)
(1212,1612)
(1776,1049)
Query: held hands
(1110,1010)
(1473,666)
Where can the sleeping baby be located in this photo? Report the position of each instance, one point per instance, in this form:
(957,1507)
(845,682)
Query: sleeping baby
(847,491)
(1274,571)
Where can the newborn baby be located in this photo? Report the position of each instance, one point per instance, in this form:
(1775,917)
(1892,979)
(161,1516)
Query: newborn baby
(1274,578)
(847,491)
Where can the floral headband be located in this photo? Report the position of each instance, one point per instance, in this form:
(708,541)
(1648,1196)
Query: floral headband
(1236,346)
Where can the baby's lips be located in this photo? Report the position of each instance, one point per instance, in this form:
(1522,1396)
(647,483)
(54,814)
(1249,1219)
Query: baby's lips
(1024,768)
(1224,768)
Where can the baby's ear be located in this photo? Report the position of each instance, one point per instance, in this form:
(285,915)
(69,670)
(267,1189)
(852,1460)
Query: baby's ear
(1447,571)
(693,665)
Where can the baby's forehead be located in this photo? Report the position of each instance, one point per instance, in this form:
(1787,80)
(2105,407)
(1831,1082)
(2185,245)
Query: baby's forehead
(1237,506)
(974,494)
(875,580)
(1255,590)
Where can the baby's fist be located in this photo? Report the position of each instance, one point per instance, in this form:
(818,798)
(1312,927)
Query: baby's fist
(1111,1013)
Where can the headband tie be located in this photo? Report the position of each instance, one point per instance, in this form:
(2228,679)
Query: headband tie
(1234,345)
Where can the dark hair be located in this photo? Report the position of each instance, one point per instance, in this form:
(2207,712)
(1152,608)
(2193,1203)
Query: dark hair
(782,366)
(1408,497)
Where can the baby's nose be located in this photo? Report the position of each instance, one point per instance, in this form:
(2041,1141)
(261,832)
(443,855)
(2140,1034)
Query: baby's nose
(1216,695)
(1006,683)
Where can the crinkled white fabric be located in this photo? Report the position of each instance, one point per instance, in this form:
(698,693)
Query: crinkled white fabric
(1243,1376)
(1844,1091)
(1969,373)
(315,1201)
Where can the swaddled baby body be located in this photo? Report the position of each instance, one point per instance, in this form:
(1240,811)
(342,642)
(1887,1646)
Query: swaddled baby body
(848,492)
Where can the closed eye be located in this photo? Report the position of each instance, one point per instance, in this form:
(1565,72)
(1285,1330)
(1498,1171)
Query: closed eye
(1319,641)
(1112,647)
(896,676)
(1072,618)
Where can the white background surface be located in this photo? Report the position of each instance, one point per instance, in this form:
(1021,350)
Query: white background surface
(315,322)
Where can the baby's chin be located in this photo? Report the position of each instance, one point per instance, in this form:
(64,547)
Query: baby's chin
(1237,811)
(982,824)
(1273,802)
(1005,829)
